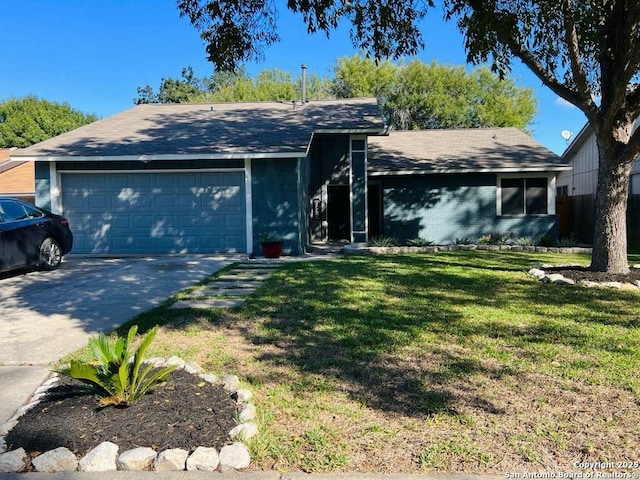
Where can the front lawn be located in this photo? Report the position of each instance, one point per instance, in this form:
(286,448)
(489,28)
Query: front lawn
(410,363)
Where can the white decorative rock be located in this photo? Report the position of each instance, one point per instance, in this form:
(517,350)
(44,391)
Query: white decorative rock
(58,460)
(204,459)
(616,285)
(248,413)
(6,428)
(193,368)
(173,459)
(243,396)
(177,361)
(100,459)
(244,431)
(536,273)
(13,461)
(235,456)
(209,378)
(157,362)
(564,281)
(629,287)
(230,383)
(137,459)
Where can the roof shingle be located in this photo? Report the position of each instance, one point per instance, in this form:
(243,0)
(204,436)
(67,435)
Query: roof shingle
(460,150)
(209,129)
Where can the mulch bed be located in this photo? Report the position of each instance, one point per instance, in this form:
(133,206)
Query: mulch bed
(178,414)
(583,273)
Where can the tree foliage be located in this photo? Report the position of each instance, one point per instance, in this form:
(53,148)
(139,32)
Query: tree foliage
(417,95)
(269,84)
(412,95)
(236,31)
(28,120)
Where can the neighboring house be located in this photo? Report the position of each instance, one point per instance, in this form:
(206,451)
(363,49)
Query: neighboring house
(217,177)
(443,185)
(582,179)
(16,178)
(580,183)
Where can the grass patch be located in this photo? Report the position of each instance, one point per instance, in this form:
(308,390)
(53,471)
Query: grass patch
(441,361)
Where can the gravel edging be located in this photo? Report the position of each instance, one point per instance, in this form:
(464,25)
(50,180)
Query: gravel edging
(356,249)
(104,457)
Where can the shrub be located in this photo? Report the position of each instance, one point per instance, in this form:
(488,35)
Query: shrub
(115,371)
(463,241)
(547,241)
(525,241)
(382,241)
(569,241)
(494,238)
(419,242)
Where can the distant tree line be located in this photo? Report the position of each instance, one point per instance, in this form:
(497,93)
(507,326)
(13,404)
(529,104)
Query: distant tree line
(412,94)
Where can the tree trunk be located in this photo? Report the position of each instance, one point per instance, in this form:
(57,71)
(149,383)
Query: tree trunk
(610,223)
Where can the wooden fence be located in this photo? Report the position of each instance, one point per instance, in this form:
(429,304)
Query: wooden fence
(575,217)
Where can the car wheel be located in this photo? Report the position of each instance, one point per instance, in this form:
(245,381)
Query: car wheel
(50,254)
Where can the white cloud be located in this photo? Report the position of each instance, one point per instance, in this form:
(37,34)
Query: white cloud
(561,102)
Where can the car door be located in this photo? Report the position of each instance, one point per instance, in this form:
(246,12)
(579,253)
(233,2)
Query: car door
(5,263)
(21,234)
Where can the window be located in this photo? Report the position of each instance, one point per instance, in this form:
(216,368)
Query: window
(12,211)
(524,196)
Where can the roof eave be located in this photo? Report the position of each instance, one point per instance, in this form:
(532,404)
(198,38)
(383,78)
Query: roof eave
(381,173)
(159,157)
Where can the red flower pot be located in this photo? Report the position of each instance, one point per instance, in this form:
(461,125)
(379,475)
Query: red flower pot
(272,249)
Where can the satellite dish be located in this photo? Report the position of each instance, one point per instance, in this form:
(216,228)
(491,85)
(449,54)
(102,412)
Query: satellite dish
(566,134)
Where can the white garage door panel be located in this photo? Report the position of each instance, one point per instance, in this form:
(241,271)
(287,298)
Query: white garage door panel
(155,212)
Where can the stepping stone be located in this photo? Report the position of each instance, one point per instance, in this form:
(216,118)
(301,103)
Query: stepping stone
(234,284)
(209,303)
(251,271)
(220,292)
(269,266)
(243,276)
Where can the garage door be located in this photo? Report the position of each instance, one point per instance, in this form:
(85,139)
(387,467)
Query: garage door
(155,212)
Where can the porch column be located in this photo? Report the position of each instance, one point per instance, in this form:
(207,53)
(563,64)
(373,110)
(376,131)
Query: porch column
(358,188)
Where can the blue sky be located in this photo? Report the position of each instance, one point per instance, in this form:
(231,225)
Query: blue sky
(95,54)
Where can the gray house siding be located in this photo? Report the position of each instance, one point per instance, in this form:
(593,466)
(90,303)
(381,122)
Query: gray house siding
(443,208)
(278,198)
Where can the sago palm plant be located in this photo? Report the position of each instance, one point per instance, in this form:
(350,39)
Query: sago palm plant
(117,372)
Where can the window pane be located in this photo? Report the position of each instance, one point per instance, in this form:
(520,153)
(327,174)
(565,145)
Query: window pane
(357,145)
(512,196)
(536,196)
(12,211)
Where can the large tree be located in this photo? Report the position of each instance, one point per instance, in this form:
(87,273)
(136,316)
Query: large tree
(418,95)
(586,51)
(28,120)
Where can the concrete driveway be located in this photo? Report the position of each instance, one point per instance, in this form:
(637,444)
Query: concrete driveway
(45,315)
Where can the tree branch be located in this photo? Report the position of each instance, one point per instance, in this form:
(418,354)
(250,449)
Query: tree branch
(573,48)
(585,104)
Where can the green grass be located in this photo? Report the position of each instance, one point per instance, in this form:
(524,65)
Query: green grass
(445,361)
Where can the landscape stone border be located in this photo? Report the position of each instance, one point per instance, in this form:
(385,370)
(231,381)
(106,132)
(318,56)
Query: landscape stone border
(360,249)
(540,273)
(104,457)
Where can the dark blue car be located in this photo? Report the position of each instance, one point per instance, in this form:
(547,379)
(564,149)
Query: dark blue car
(31,236)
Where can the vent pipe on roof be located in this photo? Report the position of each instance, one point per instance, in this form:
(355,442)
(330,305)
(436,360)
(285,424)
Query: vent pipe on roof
(304,84)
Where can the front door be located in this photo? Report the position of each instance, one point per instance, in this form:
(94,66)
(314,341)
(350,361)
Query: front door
(338,212)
